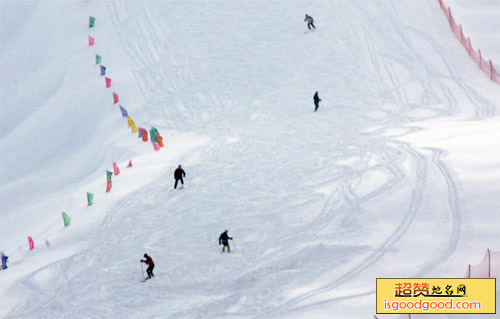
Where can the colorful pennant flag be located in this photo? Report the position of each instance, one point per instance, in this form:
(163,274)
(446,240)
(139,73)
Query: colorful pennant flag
(124,112)
(160,140)
(97,59)
(132,125)
(108,186)
(153,132)
(115,98)
(66,219)
(4,261)
(31,243)
(144,135)
(91,41)
(90,199)
(108,82)
(91,22)
(103,70)
(116,169)
(109,174)
(156,146)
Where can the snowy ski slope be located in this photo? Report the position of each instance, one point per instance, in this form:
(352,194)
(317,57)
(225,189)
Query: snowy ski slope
(396,175)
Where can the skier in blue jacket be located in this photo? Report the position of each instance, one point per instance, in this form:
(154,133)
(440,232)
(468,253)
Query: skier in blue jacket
(224,240)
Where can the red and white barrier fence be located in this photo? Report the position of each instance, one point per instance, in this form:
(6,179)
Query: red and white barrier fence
(485,66)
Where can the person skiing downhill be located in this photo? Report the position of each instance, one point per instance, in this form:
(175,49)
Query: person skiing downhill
(151,265)
(310,21)
(316,101)
(178,175)
(224,240)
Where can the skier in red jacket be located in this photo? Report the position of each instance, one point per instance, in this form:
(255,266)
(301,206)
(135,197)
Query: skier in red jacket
(151,265)
(178,175)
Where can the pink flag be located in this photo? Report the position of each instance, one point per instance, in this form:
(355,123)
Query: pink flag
(156,146)
(115,97)
(129,163)
(108,82)
(31,243)
(91,40)
(116,169)
(108,187)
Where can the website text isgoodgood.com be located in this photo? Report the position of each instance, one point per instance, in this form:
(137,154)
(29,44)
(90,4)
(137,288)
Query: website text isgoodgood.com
(431,305)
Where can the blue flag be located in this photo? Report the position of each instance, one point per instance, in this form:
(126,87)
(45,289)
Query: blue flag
(140,132)
(124,112)
(103,70)
(4,261)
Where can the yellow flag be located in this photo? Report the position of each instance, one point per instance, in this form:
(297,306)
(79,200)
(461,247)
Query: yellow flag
(132,125)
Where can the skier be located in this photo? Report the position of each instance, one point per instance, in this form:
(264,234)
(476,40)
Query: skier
(4,261)
(310,22)
(151,265)
(316,101)
(224,240)
(178,174)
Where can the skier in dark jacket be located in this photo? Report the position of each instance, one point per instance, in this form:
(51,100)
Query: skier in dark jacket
(224,240)
(178,175)
(151,265)
(316,101)
(310,22)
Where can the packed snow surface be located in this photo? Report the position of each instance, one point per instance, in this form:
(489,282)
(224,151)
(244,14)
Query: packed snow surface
(396,175)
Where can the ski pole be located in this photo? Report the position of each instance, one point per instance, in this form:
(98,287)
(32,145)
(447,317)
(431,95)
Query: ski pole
(234,244)
(142,270)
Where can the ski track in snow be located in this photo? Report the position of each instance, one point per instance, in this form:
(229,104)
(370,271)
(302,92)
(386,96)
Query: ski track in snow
(288,184)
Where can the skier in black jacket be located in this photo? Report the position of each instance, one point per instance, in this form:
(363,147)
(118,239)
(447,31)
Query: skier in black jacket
(151,265)
(316,101)
(178,175)
(224,240)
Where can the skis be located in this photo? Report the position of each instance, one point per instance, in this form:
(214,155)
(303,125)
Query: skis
(180,187)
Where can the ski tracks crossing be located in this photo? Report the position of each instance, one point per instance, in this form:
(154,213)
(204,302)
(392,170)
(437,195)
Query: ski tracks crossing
(299,191)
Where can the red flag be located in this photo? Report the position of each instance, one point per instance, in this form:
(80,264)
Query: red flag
(129,163)
(108,187)
(144,135)
(115,97)
(116,169)
(108,82)
(31,243)
(160,140)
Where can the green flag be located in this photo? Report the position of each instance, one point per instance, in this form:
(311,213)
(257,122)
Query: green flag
(97,59)
(153,132)
(109,175)
(91,22)
(90,198)
(66,219)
